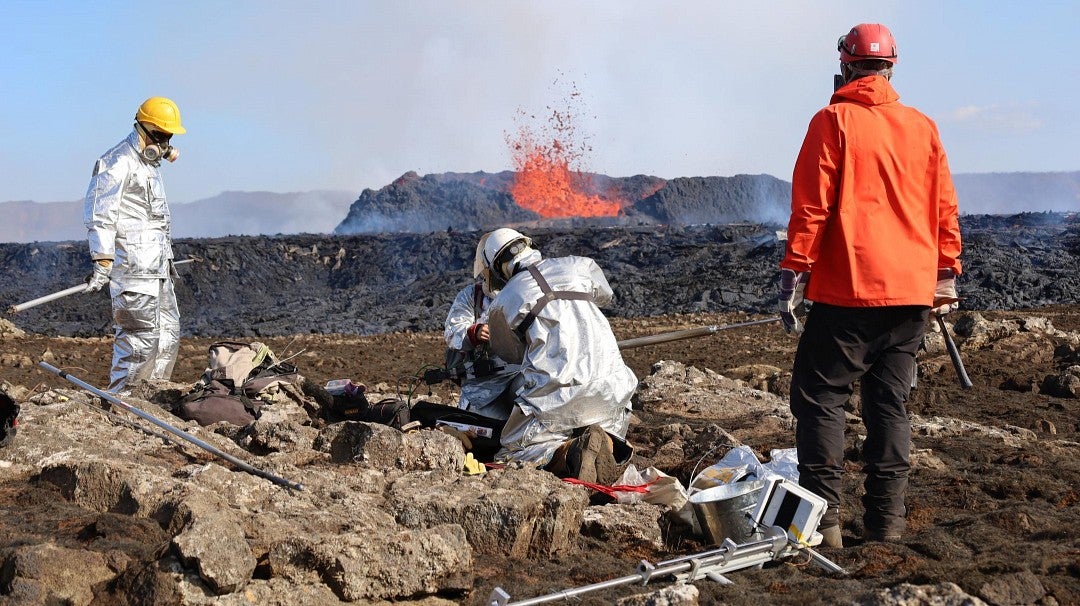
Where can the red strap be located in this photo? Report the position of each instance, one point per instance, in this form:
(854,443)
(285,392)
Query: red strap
(611,490)
(471,333)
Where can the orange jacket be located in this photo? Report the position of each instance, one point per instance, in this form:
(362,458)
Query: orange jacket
(873,209)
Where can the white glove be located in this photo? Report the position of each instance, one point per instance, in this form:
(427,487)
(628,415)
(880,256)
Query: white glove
(790,298)
(945,291)
(100,277)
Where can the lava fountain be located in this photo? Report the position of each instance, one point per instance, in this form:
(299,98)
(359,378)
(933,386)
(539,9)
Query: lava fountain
(548,179)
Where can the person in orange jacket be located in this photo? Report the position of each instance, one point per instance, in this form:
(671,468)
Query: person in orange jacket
(874,243)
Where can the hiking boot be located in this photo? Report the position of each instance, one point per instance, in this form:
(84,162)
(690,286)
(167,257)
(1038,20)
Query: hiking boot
(830,537)
(589,457)
(882,536)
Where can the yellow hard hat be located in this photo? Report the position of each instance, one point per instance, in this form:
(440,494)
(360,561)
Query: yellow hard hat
(162,113)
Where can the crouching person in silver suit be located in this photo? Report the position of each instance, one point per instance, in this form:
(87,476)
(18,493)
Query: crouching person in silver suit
(489,384)
(128,229)
(573,406)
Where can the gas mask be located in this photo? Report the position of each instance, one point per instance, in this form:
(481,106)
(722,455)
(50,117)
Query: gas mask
(157,147)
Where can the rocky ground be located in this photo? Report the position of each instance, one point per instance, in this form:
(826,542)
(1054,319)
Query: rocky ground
(385,516)
(101,508)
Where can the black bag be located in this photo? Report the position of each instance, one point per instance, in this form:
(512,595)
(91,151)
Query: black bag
(487,430)
(346,408)
(389,411)
(9,419)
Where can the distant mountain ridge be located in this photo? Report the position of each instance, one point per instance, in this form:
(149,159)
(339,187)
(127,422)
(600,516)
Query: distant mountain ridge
(479,200)
(472,201)
(237,213)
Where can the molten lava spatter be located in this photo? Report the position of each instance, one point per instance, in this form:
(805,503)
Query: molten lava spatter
(549,188)
(548,179)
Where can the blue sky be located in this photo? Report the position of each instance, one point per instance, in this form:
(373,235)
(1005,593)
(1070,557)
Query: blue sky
(291,96)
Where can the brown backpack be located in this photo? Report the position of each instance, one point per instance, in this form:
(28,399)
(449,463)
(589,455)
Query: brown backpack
(236,381)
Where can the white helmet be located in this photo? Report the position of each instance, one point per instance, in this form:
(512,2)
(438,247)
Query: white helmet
(503,249)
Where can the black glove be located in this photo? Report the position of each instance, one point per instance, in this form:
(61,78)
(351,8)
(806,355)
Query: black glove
(790,298)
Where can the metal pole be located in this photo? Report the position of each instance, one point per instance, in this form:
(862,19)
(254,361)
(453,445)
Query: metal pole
(169,428)
(14,309)
(688,333)
(825,563)
(729,557)
(954,354)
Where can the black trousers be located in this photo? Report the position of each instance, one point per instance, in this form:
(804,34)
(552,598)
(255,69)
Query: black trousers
(876,346)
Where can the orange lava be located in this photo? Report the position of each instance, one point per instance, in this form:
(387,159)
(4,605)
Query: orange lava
(548,187)
(547,180)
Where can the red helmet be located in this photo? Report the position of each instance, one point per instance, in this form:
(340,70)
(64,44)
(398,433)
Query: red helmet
(867,41)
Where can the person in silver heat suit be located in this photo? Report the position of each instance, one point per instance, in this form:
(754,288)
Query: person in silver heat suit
(573,374)
(128,228)
(485,391)
(489,383)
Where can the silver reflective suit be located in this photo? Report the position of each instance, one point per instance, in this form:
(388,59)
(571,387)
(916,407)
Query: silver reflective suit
(479,393)
(573,374)
(127,220)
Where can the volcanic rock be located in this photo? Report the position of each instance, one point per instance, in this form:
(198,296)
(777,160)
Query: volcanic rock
(390,516)
(635,525)
(518,513)
(482,201)
(374,284)
(943,594)
(676,595)
(49,574)
(689,392)
(1014,588)
(699,200)
(9,330)
(463,202)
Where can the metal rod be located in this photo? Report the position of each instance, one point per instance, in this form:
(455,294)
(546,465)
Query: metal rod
(169,428)
(954,353)
(825,563)
(729,557)
(566,594)
(14,309)
(688,333)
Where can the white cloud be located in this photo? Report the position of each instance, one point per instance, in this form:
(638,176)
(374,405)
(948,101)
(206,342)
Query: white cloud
(1017,119)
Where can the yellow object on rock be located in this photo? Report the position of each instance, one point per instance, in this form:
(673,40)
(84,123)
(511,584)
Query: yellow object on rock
(472,466)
